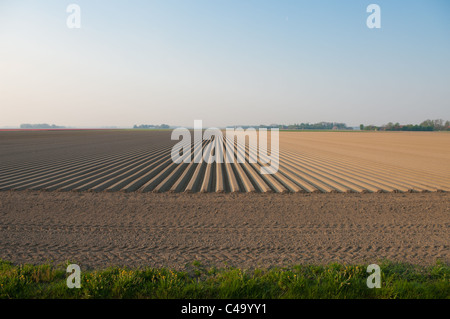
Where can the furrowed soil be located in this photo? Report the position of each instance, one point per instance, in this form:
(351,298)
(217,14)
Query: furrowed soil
(141,161)
(242,230)
(112,197)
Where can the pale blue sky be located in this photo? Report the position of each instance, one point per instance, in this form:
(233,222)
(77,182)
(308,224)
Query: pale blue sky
(225,62)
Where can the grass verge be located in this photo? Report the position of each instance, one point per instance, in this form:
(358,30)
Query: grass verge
(398,280)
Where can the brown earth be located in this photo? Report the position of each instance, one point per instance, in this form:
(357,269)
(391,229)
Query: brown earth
(362,162)
(89,197)
(242,229)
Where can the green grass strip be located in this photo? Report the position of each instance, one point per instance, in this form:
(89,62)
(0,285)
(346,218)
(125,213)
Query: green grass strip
(398,280)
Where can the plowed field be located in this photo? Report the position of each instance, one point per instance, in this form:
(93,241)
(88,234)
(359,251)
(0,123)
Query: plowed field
(140,161)
(375,197)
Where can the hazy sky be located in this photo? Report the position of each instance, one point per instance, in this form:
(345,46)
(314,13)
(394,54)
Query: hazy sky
(225,62)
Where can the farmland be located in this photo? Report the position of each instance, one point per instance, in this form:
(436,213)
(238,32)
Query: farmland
(103,198)
(140,161)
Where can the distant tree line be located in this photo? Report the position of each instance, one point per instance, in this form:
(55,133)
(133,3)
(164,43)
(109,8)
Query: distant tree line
(39,126)
(428,125)
(150,127)
(304,126)
(316,126)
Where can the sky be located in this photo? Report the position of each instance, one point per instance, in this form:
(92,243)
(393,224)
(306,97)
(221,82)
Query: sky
(226,62)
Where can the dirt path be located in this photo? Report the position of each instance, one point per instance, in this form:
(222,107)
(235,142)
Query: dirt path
(243,229)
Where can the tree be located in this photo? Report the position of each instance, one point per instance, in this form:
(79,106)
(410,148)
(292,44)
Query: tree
(389,126)
(438,124)
(361,127)
(427,123)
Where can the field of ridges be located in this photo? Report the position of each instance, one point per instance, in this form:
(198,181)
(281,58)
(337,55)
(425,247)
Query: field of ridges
(140,161)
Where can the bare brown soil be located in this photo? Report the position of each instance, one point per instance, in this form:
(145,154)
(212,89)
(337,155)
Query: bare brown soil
(103,198)
(244,230)
(309,162)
